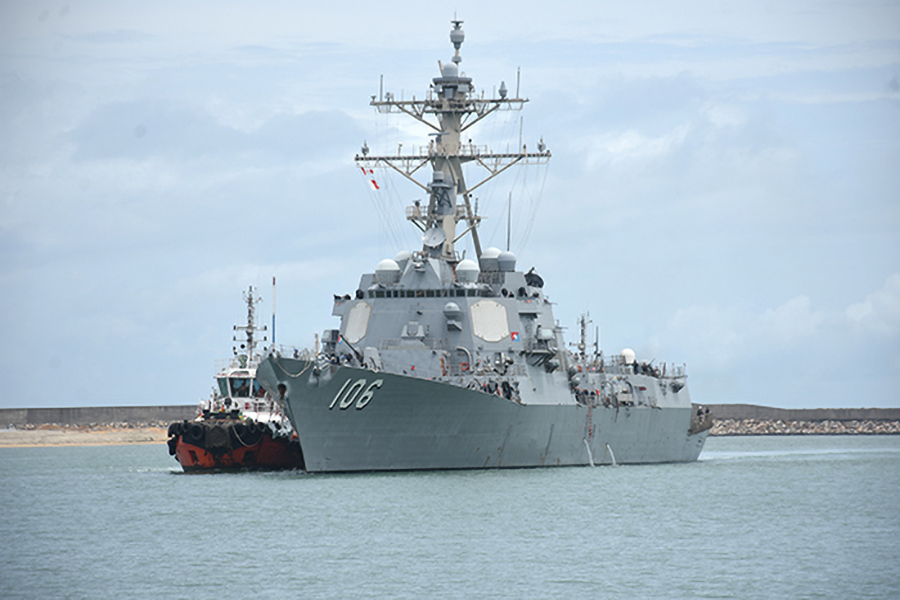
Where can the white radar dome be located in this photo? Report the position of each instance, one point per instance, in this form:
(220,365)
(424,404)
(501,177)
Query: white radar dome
(467,271)
(507,261)
(451,310)
(387,271)
(402,258)
(490,259)
(628,356)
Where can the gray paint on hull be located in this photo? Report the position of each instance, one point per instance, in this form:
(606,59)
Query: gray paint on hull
(413,423)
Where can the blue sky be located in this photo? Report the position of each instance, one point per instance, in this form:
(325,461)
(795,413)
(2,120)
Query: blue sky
(724,189)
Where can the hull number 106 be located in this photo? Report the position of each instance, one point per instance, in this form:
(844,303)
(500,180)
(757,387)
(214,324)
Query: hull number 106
(348,393)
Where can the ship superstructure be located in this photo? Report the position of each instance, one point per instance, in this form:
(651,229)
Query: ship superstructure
(444,362)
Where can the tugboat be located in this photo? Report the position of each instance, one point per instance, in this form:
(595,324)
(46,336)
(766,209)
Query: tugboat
(240,427)
(442,362)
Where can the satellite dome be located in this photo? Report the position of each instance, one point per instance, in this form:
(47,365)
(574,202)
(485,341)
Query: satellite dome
(450,70)
(489,259)
(451,310)
(628,356)
(387,271)
(507,261)
(402,258)
(467,271)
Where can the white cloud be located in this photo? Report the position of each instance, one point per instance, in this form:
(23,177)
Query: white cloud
(712,334)
(728,335)
(879,313)
(726,116)
(793,319)
(632,145)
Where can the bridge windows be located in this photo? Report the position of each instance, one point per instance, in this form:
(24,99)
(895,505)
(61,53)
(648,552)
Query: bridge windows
(443,293)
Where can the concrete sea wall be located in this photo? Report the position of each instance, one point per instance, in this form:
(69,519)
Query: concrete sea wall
(97,415)
(751,419)
(770,413)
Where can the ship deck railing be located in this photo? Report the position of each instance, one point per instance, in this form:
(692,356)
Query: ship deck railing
(617,365)
(297,352)
(411,343)
(258,405)
(514,370)
(539,346)
(224,364)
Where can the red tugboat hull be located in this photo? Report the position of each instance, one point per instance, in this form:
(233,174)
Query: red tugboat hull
(232,446)
(266,455)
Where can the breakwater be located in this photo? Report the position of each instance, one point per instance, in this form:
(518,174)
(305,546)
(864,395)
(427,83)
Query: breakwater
(752,419)
(96,416)
(779,427)
(771,413)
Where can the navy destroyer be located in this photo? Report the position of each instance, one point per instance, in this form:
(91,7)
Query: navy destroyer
(442,362)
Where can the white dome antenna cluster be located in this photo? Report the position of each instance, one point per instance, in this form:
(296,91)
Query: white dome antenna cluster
(457,37)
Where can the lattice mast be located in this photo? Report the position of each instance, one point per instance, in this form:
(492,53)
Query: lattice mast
(451,101)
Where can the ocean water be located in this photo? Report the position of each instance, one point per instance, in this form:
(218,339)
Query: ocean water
(756,517)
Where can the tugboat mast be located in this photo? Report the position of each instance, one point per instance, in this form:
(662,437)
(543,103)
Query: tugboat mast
(451,100)
(250,328)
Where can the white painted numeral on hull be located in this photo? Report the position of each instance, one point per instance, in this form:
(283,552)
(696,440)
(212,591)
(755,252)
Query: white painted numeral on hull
(350,396)
(368,394)
(340,391)
(348,393)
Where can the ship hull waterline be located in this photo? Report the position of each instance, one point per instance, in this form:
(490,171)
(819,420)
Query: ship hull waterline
(268,454)
(352,419)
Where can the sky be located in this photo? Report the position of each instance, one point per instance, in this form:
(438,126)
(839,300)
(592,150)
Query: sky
(724,190)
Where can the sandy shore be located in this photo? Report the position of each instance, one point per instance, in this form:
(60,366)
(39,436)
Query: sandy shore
(48,435)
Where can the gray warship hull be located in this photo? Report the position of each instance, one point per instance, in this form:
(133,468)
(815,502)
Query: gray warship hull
(409,423)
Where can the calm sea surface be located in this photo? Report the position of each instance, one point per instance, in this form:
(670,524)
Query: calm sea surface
(757,517)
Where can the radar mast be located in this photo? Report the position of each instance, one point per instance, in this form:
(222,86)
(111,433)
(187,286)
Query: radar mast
(250,328)
(451,102)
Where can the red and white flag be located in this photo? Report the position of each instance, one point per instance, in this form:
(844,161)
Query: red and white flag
(370,174)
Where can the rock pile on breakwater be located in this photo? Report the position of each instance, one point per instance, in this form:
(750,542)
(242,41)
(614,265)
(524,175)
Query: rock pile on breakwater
(779,427)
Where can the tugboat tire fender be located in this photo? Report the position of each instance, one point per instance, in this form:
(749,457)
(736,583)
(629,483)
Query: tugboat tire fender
(195,433)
